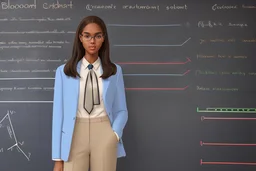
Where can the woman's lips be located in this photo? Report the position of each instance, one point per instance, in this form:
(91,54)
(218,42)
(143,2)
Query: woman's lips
(92,47)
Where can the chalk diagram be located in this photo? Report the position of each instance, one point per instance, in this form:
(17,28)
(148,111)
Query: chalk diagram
(16,144)
(146,63)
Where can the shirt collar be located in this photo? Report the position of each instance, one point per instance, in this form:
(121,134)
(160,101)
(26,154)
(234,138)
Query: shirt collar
(95,64)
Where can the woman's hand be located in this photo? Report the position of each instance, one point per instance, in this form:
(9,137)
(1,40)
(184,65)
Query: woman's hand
(58,166)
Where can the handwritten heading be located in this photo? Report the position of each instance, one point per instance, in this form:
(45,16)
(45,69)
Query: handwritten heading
(57,5)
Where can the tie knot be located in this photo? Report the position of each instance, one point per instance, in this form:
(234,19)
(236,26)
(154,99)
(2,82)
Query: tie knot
(90,66)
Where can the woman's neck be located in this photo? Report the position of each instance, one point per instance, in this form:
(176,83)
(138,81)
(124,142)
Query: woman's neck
(91,58)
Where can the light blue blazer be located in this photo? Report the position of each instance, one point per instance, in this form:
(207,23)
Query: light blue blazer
(65,103)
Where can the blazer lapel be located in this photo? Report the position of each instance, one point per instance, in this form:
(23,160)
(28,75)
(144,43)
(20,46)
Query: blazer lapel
(105,85)
(78,67)
(77,81)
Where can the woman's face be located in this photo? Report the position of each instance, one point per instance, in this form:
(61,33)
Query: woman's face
(92,38)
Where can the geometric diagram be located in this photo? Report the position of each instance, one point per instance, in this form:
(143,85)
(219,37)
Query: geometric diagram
(166,88)
(156,45)
(225,144)
(166,74)
(203,118)
(17,145)
(152,74)
(227,110)
(155,63)
(225,163)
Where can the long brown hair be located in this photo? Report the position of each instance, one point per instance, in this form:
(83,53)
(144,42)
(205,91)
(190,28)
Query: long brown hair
(78,52)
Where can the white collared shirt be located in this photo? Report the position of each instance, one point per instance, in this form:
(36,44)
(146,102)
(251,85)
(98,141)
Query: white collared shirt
(98,110)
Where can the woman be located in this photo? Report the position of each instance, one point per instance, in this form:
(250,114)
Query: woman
(89,106)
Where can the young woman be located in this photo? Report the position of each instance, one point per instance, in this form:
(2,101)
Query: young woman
(89,106)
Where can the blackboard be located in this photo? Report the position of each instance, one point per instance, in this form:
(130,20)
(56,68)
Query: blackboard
(188,69)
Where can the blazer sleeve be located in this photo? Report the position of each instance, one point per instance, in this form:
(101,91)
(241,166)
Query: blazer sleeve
(119,109)
(57,115)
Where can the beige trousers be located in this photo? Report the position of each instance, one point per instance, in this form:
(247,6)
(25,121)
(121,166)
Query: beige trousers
(94,146)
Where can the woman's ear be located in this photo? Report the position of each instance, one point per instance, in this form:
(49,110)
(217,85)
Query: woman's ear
(80,38)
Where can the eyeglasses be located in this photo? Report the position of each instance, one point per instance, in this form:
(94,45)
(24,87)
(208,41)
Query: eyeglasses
(96,37)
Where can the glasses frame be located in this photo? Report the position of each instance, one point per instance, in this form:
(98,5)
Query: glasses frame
(94,37)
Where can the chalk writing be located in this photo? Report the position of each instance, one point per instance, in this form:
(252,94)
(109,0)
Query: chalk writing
(229,40)
(21,143)
(26,71)
(45,19)
(224,7)
(249,6)
(177,7)
(9,131)
(237,25)
(141,7)
(217,40)
(202,88)
(210,24)
(58,5)
(253,40)
(219,56)
(36,42)
(213,24)
(37,88)
(221,73)
(9,6)
(91,7)
(47,6)
(29,47)
(55,31)
(28,60)
(32,44)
